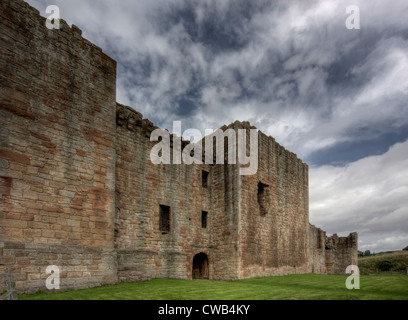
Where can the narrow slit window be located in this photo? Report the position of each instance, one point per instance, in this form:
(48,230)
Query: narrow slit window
(164,219)
(262,198)
(204,216)
(205,178)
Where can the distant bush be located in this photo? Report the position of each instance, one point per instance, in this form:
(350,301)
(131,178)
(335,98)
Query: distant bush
(400,268)
(406,248)
(385,265)
(373,263)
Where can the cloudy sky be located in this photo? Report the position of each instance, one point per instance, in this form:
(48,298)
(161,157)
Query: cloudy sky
(334,96)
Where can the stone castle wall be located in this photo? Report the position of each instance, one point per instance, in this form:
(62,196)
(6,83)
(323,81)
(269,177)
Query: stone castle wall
(141,187)
(57,167)
(274,240)
(340,253)
(316,250)
(78,189)
(332,254)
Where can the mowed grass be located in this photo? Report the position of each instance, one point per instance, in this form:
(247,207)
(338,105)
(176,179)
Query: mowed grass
(290,287)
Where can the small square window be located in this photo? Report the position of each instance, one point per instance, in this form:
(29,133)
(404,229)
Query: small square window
(164,219)
(204,216)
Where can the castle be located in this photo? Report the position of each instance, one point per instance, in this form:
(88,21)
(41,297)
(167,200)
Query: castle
(79,191)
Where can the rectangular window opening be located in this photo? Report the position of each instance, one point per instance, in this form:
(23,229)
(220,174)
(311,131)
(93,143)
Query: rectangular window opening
(262,198)
(205,178)
(204,216)
(164,219)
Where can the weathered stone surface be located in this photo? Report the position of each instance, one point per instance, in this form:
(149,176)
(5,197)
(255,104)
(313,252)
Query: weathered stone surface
(57,97)
(78,189)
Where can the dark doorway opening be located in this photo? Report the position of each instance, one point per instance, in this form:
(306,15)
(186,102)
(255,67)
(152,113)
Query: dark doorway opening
(200,266)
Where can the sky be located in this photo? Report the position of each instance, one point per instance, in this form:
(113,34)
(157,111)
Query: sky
(337,97)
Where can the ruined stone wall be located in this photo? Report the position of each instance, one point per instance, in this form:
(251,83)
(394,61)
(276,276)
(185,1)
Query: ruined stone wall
(317,250)
(333,254)
(340,253)
(57,155)
(226,212)
(275,224)
(141,187)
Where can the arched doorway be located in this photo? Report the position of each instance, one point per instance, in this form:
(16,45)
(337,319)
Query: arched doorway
(200,266)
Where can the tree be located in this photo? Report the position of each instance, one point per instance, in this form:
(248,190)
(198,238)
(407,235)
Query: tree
(406,248)
(367,253)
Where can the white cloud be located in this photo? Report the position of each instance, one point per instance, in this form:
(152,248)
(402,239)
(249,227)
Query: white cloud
(369,196)
(387,67)
(386,244)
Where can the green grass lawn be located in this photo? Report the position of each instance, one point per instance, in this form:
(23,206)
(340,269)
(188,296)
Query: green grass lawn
(290,287)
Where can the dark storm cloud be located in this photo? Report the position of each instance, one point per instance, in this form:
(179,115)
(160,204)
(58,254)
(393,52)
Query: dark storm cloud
(333,96)
(351,151)
(286,66)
